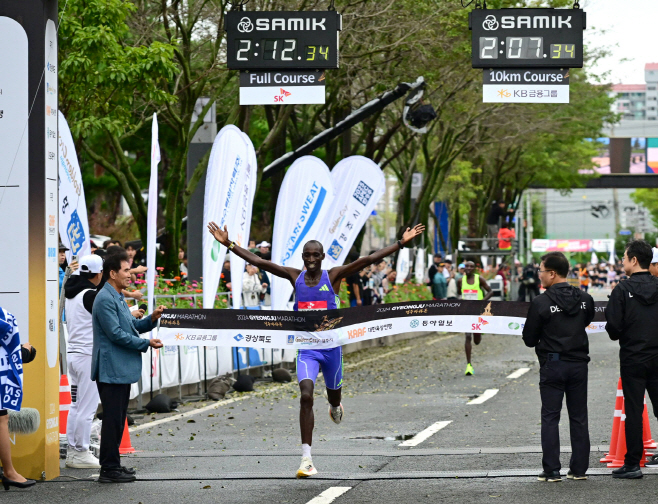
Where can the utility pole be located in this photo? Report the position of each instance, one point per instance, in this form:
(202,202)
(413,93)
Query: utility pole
(520,230)
(528,208)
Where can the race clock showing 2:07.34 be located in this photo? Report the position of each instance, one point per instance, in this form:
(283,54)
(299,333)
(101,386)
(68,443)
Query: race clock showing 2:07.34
(259,40)
(527,38)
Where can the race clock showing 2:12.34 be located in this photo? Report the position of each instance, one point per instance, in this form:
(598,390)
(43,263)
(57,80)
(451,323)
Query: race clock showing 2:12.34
(258,40)
(527,38)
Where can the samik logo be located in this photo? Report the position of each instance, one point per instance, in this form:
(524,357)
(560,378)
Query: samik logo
(245,25)
(490,23)
(283,94)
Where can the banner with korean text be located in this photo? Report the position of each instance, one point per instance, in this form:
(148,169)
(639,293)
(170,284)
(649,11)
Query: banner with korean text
(332,328)
(73,223)
(241,228)
(358,185)
(306,194)
(227,166)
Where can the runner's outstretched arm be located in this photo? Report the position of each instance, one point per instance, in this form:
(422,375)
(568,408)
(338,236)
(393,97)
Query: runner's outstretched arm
(221,236)
(340,272)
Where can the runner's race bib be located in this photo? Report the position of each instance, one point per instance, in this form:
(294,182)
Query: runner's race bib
(470,295)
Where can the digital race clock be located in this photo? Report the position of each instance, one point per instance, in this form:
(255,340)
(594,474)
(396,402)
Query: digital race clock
(527,38)
(258,40)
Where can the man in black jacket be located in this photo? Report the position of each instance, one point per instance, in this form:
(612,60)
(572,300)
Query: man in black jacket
(632,313)
(555,326)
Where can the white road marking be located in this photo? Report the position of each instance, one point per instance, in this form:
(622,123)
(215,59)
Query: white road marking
(518,373)
(488,394)
(423,435)
(442,338)
(329,495)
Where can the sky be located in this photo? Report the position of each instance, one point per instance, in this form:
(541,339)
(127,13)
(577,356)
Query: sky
(628,29)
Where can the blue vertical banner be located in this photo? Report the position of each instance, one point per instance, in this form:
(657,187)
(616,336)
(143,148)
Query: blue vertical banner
(441,212)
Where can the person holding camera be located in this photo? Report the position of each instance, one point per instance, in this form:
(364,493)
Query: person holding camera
(117,361)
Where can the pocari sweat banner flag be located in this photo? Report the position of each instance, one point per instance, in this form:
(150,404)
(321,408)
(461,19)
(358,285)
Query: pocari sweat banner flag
(152,216)
(241,228)
(73,223)
(227,165)
(358,185)
(306,194)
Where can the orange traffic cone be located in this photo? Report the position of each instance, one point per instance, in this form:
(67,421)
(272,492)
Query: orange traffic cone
(620,451)
(126,446)
(621,445)
(619,403)
(64,403)
(646,429)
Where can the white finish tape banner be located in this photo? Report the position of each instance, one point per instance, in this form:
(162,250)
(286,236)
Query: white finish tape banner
(332,328)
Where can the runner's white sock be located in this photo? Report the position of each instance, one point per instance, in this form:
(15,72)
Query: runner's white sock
(306,450)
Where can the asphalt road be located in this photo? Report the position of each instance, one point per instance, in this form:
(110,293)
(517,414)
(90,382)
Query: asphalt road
(247,449)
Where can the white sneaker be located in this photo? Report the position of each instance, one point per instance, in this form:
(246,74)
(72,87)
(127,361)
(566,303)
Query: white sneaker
(306,468)
(81,460)
(336,414)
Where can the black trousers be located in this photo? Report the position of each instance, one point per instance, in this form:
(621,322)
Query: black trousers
(634,380)
(557,379)
(114,399)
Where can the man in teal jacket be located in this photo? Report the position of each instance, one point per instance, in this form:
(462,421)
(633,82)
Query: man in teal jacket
(117,361)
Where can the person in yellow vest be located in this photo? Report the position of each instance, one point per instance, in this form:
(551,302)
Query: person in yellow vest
(472,287)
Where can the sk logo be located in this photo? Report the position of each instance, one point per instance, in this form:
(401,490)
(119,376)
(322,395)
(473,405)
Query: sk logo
(324,288)
(504,93)
(179,337)
(282,95)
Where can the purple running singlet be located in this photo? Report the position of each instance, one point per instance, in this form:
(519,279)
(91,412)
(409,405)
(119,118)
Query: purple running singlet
(309,362)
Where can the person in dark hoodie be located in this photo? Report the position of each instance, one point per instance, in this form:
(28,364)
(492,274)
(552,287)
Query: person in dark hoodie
(631,316)
(555,327)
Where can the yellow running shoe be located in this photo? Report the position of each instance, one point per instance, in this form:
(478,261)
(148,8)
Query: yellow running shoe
(306,468)
(469,370)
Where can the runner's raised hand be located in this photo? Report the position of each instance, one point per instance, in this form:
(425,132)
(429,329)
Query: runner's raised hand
(220,236)
(411,233)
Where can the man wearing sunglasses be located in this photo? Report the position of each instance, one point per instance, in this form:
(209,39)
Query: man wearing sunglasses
(555,326)
(315,289)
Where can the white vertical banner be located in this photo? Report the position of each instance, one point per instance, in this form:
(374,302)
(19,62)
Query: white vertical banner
(419,266)
(229,158)
(241,228)
(403,266)
(306,194)
(359,183)
(73,222)
(152,216)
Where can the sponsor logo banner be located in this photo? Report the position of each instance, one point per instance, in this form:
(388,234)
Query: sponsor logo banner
(332,328)
(305,197)
(73,223)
